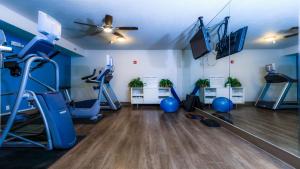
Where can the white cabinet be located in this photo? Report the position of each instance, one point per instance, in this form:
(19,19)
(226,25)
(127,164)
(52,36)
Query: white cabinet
(207,95)
(149,95)
(163,93)
(236,94)
(150,82)
(137,95)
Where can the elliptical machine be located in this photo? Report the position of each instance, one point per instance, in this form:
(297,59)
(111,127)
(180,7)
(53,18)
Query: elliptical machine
(58,125)
(272,78)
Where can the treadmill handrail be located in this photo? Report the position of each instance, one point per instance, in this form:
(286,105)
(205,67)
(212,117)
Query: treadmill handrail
(278,78)
(89,76)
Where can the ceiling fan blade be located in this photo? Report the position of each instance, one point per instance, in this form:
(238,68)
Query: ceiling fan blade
(108,20)
(86,24)
(296,28)
(289,30)
(95,32)
(118,34)
(127,28)
(291,35)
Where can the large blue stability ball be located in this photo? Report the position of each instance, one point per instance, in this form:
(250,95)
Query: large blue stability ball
(169,105)
(222,105)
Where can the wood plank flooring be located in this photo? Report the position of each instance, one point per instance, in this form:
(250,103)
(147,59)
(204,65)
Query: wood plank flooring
(149,139)
(278,127)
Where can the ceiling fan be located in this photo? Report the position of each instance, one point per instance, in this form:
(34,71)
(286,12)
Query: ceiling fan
(283,34)
(291,32)
(107,27)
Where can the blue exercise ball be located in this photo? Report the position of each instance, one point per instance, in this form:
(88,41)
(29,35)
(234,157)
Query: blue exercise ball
(169,105)
(222,105)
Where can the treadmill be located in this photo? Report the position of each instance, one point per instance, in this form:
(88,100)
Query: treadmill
(109,101)
(274,78)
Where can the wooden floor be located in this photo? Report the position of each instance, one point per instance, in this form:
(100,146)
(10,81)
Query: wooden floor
(149,139)
(278,127)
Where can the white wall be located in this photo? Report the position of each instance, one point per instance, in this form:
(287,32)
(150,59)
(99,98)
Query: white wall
(290,50)
(158,63)
(26,24)
(248,67)
(182,69)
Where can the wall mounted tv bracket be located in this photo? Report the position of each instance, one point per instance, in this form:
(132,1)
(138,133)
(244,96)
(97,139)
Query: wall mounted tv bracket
(218,26)
(205,31)
(201,22)
(224,23)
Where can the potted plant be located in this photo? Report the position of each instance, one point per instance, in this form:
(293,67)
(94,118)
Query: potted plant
(202,83)
(165,83)
(136,83)
(232,82)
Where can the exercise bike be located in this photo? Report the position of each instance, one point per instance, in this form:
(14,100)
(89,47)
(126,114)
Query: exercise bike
(91,109)
(58,125)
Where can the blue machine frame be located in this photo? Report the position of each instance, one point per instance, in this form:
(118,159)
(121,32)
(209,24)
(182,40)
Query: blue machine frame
(91,109)
(38,50)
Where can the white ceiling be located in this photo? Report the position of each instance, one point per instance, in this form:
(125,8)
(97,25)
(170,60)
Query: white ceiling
(163,24)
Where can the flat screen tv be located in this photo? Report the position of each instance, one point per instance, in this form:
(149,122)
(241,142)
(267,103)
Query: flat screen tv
(200,43)
(231,44)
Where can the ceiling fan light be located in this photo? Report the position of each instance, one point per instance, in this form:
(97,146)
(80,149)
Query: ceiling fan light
(271,39)
(107,30)
(121,39)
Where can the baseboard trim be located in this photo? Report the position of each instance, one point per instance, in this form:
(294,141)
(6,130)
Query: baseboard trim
(270,148)
(126,104)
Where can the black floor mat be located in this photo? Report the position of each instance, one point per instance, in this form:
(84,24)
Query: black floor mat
(27,158)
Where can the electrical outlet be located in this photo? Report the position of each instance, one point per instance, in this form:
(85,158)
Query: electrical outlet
(7,107)
(16,44)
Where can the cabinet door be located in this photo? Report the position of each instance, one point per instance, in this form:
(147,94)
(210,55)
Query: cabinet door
(150,82)
(223,92)
(151,96)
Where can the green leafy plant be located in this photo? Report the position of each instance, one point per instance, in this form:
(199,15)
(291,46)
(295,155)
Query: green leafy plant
(137,82)
(202,83)
(233,82)
(165,83)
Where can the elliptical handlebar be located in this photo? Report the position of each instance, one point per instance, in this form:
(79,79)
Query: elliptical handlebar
(50,56)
